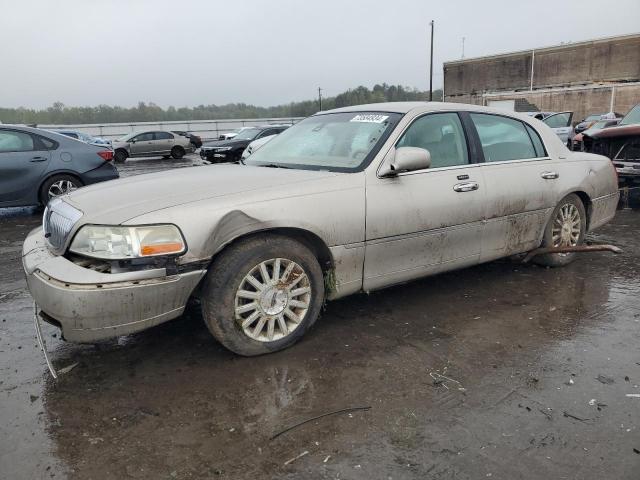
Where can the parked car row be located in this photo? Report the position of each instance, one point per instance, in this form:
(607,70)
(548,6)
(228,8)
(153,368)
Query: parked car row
(231,150)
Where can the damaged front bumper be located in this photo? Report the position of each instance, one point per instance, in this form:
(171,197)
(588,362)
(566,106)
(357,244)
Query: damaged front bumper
(89,306)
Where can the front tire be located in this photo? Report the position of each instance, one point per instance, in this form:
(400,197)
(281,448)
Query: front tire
(177,153)
(56,186)
(262,294)
(120,156)
(567,226)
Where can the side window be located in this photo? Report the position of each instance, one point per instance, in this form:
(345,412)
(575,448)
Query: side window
(631,151)
(558,121)
(537,143)
(502,138)
(11,141)
(143,137)
(163,136)
(442,135)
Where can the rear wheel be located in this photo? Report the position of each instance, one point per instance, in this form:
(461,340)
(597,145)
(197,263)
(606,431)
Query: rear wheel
(567,227)
(262,294)
(58,185)
(177,153)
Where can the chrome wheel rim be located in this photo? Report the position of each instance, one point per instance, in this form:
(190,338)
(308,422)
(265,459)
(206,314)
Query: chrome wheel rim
(61,187)
(272,300)
(567,227)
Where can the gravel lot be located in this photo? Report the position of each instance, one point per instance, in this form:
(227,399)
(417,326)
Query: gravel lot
(502,371)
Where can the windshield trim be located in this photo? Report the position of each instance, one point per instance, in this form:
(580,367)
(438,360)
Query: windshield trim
(394,119)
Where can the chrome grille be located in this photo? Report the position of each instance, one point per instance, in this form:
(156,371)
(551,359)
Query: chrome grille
(58,220)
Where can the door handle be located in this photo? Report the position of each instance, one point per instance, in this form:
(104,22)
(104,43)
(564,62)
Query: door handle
(38,159)
(466,187)
(549,175)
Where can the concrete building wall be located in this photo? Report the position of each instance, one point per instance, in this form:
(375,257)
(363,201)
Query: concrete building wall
(614,59)
(580,77)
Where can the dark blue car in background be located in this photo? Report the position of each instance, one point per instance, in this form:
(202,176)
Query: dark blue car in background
(36,165)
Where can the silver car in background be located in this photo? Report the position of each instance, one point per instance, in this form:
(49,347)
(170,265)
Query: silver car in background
(151,144)
(348,200)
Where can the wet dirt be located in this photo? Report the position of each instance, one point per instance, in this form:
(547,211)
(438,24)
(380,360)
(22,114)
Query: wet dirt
(490,372)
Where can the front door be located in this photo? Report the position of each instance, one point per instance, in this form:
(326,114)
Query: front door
(23,161)
(143,144)
(423,222)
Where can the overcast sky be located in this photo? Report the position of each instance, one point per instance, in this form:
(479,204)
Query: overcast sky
(191,52)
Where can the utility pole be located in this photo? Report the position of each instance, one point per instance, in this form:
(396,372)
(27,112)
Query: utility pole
(431,67)
(320,97)
(462,48)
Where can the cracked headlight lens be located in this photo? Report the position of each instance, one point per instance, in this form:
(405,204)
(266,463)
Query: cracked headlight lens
(121,243)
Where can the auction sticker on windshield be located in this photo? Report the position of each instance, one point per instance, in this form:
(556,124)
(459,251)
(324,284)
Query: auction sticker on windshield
(369,118)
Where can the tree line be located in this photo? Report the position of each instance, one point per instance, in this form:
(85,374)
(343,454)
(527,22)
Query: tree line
(62,114)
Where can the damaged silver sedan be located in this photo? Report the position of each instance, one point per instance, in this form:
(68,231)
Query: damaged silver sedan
(348,200)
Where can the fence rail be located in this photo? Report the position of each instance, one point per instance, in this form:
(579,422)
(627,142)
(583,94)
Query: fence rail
(207,129)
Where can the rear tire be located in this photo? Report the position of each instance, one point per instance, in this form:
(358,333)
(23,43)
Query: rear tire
(262,294)
(567,226)
(120,156)
(177,153)
(57,185)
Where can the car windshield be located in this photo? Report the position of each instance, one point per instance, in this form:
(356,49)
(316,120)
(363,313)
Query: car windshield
(632,117)
(335,141)
(247,134)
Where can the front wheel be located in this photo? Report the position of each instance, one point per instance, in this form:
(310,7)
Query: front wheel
(262,294)
(567,227)
(120,156)
(58,185)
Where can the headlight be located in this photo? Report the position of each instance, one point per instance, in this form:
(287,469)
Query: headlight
(120,243)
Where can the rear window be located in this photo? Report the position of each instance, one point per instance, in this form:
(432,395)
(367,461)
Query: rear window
(503,138)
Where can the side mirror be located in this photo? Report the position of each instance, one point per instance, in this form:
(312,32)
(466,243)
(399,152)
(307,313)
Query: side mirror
(405,159)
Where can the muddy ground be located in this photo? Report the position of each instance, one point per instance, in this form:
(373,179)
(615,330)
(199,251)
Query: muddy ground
(502,371)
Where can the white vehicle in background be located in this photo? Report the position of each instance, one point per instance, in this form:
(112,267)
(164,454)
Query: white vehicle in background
(255,145)
(232,134)
(559,122)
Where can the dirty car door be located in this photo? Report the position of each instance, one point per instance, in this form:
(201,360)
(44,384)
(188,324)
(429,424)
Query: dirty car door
(422,222)
(521,184)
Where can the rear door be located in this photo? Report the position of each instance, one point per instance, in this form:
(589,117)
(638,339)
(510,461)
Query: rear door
(422,222)
(521,184)
(163,142)
(23,162)
(560,123)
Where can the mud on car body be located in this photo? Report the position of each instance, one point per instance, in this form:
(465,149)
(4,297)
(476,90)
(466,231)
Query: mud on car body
(348,200)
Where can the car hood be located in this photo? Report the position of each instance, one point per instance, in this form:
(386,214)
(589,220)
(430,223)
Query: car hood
(117,201)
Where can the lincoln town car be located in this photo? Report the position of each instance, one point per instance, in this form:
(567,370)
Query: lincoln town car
(348,200)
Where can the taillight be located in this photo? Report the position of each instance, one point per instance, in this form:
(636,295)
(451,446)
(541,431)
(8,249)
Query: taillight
(107,155)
